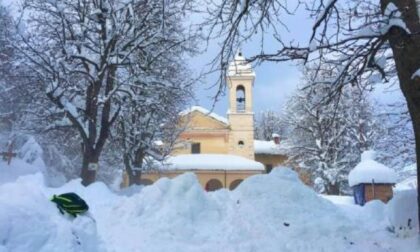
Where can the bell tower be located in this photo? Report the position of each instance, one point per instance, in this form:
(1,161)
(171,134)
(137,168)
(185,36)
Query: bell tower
(240,80)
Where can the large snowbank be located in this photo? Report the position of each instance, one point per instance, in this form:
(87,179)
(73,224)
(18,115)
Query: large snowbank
(339,199)
(17,168)
(407,184)
(402,213)
(30,222)
(368,169)
(270,212)
(211,162)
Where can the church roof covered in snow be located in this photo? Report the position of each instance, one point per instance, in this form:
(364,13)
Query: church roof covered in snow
(369,170)
(212,162)
(269,147)
(206,112)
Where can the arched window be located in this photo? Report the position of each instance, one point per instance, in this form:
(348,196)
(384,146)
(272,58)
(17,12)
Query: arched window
(240,98)
(234,184)
(241,144)
(213,185)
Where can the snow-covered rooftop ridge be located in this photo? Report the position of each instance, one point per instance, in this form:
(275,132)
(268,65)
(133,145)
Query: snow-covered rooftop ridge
(240,67)
(212,162)
(206,112)
(368,171)
(269,147)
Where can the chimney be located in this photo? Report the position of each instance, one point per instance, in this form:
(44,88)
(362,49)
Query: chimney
(276,138)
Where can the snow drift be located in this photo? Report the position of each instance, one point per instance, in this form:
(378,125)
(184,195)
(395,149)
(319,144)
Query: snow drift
(273,212)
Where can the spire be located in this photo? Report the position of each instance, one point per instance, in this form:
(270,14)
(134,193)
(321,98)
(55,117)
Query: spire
(240,67)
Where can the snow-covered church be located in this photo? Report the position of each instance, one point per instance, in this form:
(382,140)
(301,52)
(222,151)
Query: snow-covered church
(221,151)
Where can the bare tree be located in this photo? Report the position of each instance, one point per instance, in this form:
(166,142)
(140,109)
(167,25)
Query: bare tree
(363,40)
(268,123)
(80,51)
(152,105)
(396,144)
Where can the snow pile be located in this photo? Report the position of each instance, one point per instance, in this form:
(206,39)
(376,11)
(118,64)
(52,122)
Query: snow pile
(407,184)
(402,213)
(339,199)
(270,212)
(30,222)
(17,168)
(205,112)
(211,162)
(31,152)
(28,161)
(274,212)
(369,170)
(268,147)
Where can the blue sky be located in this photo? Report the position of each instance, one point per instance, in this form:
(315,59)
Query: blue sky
(275,82)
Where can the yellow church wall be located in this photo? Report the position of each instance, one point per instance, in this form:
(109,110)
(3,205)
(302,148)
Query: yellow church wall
(241,121)
(203,176)
(208,143)
(247,149)
(212,135)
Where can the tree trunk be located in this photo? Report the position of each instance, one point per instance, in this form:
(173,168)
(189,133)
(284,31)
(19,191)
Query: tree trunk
(134,177)
(89,168)
(333,189)
(134,171)
(406,50)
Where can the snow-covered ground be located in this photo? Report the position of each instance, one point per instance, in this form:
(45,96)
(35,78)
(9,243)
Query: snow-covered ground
(273,212)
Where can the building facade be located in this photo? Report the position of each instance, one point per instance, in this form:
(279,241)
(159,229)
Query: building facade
(221,151)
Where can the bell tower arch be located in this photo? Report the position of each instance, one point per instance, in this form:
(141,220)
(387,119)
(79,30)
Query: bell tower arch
(240,81)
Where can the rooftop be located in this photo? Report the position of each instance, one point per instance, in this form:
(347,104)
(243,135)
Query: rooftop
(212,162)
(269,147)
(368,171)
(206,112)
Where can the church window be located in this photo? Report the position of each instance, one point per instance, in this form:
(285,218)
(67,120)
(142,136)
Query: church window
(234,184)
(195,148)
(241,144)
(213,185)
